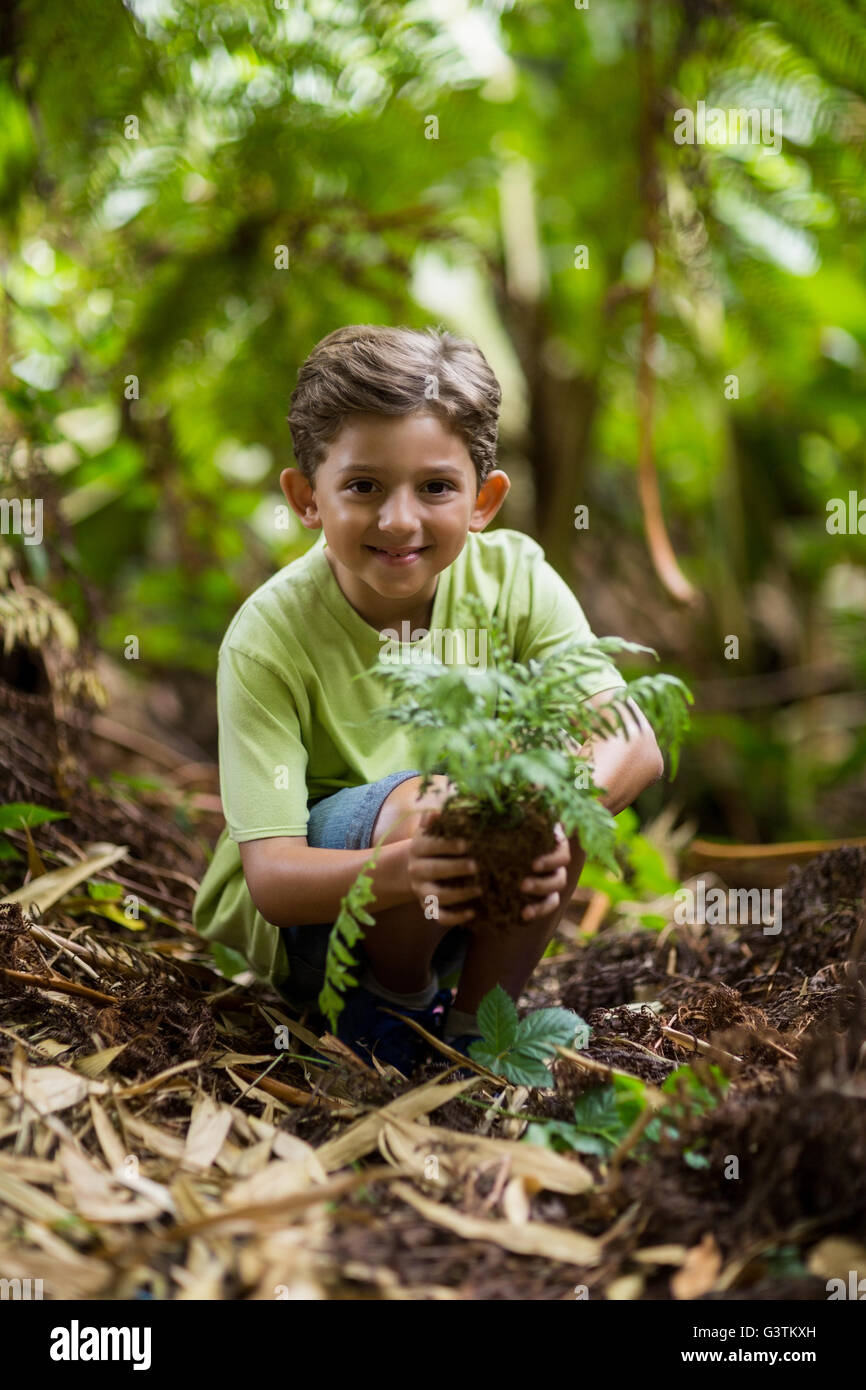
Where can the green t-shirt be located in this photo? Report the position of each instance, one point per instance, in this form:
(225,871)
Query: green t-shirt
(295,726)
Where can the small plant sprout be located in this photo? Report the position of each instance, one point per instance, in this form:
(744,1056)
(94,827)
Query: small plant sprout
(518,1049)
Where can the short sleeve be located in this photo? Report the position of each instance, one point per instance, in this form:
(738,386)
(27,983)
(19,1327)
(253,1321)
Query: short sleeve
(262,759)
(553,616)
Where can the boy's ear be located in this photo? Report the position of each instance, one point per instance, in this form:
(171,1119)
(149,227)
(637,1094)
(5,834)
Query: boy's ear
(490,498)
(300,496)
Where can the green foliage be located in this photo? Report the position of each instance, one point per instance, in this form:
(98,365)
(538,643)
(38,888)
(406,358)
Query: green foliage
(105,892)
(303,126)
(502,735)
(16,814)
(228,961)
(643,877)
(785,1262)
(604,1115)
(347,931)
(518,1049)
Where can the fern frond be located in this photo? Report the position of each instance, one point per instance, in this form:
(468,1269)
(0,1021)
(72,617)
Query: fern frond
(347,931)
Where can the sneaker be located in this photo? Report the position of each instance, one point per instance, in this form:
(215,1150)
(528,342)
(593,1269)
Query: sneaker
(369,1031)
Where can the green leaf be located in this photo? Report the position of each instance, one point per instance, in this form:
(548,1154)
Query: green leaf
(597,1111)
(517,1067)
(105,891)
(16,814)
(229,962)
(497,1020)
(540,1033)
(695,1160)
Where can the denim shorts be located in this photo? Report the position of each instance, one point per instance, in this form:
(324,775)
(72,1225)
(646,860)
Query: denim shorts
(346,820)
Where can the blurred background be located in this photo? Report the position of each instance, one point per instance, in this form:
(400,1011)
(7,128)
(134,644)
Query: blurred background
(193,194)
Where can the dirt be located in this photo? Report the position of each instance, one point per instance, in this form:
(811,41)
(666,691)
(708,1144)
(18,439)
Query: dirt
(492,841)
(781,1019)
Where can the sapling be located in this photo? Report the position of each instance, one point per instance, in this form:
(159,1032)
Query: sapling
(510,741)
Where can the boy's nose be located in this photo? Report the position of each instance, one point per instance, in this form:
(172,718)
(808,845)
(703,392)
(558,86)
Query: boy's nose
(398,515)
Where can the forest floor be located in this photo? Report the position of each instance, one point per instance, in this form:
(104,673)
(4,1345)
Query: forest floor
(156,1142)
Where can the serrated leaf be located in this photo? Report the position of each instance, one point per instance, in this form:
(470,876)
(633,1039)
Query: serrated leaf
(516,1067)
(597,1111)
(497,1020)
(541,1032)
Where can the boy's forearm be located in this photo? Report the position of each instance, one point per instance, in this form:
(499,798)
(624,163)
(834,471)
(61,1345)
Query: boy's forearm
(625,769)
(305,885)
(625,766)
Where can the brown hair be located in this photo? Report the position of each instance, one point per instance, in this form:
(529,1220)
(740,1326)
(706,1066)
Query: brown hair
(394,371)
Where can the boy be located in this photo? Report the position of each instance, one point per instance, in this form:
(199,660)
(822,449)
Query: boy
(394,432)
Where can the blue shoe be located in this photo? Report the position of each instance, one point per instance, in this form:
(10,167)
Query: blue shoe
(369,1031)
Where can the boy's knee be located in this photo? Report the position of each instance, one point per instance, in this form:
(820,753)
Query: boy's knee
(400,813)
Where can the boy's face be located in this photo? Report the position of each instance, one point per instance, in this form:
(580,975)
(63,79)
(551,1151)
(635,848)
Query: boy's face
(396,496)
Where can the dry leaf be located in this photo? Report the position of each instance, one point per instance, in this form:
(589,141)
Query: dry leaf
(30,1201)
(48,889)
(833,1257)
(208,1127)
(363,1136)
(534,1238)
(660,1255)
(460,1153)
(516,1206)
(109,1141)
(280,1179)
(95,1193)
(699,1269)
(625,1289)
(97,1062)
(50,1089)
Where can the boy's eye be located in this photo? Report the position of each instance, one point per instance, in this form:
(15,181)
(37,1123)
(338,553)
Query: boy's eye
(363,486)
(440,482)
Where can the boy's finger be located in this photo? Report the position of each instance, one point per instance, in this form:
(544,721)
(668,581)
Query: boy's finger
(434,847)
(448,896)
(554,858)
(455,917)
(541,909)
(546,883)
(437,868)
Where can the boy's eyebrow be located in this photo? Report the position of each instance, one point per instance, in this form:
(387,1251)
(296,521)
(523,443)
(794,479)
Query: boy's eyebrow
(375,468)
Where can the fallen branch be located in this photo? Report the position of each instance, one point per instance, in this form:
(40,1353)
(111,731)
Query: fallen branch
(59,985)
(292,1095)
(690,1043)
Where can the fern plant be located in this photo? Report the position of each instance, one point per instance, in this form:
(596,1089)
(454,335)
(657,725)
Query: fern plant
(509,740)
(347,931)
(506,736)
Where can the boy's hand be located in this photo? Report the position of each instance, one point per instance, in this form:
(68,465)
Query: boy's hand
(551,877)
(432,862)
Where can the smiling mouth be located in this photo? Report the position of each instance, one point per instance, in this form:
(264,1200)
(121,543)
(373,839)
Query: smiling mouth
(402,554)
